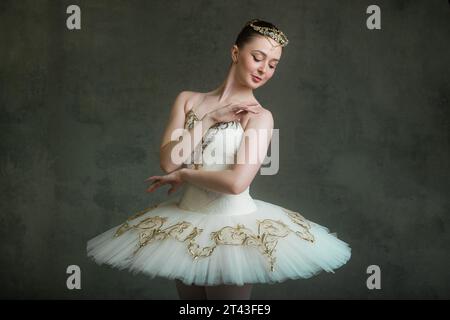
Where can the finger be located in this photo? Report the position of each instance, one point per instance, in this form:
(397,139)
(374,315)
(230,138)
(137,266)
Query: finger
(154,183)
(154,187)
(246,107)
(151,178)
(254,109)
(173,189)
(247,110)
(252,106)
(151,189)
(228,105)
(240,108)
(236,108)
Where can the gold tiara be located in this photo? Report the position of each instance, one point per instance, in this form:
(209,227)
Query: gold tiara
(275,34)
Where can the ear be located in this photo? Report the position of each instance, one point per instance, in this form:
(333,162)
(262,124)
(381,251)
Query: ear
(234,53)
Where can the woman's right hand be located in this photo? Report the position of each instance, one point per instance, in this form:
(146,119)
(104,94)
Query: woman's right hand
(233,111)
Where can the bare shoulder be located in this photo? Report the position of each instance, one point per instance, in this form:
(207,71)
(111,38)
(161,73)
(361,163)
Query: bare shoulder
(265,114)
(182,100)
(262,119)
(192,98)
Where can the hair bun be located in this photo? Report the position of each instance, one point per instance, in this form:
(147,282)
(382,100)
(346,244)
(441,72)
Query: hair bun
(251,21)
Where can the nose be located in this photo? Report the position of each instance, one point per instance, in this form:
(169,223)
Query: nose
(262,68)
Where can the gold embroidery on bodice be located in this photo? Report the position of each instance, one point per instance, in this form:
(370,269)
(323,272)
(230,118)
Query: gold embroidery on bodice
(191,118)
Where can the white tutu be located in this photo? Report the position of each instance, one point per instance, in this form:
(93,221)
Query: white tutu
(266,246)
(210,238)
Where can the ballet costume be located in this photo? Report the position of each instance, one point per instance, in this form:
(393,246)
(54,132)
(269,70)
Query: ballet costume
(203,237)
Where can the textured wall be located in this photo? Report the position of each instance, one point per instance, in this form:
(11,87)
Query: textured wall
(363,118)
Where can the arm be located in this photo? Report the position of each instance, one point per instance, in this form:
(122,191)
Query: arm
(184,139)
(237,179)
(219,181)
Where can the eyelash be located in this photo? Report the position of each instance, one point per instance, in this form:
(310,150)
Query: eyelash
(261,60)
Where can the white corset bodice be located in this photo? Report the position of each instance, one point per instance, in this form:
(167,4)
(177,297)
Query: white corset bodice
(216,152)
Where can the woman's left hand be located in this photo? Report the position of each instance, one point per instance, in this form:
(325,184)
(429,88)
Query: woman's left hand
(173,178)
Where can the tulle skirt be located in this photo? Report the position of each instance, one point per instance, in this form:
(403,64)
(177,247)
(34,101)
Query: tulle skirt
(269,245)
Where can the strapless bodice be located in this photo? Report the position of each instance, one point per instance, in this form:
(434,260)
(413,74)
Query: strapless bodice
(217,151)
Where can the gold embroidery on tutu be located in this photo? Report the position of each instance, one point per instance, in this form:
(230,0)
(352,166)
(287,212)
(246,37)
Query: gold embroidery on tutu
(297,218)
(269,232)
(125,226)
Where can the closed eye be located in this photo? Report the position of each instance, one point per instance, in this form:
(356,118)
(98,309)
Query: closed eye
(254,58)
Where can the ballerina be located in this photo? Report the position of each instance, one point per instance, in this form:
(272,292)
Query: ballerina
(215,240)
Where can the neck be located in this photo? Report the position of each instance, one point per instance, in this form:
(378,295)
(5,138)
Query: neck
(232,90)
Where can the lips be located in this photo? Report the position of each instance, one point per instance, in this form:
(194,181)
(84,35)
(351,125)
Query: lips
(256,78)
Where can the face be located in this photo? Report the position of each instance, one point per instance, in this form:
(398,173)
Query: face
(256,61)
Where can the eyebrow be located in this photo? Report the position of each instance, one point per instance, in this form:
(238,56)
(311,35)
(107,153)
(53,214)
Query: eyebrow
(263,53)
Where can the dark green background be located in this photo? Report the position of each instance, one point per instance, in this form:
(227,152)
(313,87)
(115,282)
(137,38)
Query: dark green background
(363,118)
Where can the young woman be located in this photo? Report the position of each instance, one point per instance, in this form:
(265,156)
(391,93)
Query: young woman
(215,240)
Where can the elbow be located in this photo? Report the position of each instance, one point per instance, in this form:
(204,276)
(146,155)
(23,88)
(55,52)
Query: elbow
(165,167)
(237,187)
(165,160)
